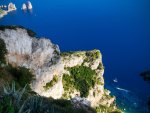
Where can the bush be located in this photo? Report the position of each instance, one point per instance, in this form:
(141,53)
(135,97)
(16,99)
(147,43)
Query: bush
(21,75)
(105,109)
(92,55)
(11,100)
(66,53)
(37,104)
(6,105)
(51,83)
(15,101)
(3,51)
(82,78)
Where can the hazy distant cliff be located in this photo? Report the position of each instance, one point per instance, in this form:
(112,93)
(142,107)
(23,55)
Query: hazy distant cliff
(68,75)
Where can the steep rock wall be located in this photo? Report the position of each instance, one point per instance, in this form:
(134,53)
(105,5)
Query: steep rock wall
(44,59)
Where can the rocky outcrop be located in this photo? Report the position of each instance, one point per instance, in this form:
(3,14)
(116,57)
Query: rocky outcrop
(29,5)
(24,7)
(44,59)
(11,7)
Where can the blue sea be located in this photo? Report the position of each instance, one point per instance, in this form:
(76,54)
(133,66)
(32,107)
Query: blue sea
(119,28)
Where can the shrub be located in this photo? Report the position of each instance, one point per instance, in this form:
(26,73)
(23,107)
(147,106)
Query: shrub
(51,83)
(82,78)
(3,51)
(92,55)
(37,104)
(11,100)
(21,75)
(66,53)
(100,66)
(68,82)
(105,109)
(15,101)
(6,105)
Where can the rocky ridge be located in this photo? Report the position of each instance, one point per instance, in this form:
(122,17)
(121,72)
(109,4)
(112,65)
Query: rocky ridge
(49,66)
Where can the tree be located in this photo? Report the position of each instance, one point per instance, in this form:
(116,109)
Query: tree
(3,50)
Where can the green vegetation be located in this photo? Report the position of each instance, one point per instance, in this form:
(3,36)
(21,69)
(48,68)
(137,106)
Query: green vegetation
(68,85)
(51,83)
(63,54)
(81,78)
(30,32)
(100,66)
(92,55)
(11,99)
(21,75)
(3,51)
(56,52)
(7,105)
(15,98)
(37,104)
(75,53)
(20,101)
(105,109)
(1,11)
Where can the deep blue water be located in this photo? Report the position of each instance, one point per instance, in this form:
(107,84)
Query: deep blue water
(119,28)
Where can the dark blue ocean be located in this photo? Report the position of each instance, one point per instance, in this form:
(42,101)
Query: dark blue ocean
(119,28)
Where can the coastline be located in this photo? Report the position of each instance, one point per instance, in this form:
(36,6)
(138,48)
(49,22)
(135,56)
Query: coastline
(90,30)
(3,13)
(11,7)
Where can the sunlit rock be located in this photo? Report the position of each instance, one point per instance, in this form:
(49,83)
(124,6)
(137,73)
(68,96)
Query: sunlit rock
(24,7)
(46,62)
(11,7)
(29,5)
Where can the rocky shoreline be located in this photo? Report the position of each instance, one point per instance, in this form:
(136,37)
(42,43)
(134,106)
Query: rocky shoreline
(11,7)
(2,13)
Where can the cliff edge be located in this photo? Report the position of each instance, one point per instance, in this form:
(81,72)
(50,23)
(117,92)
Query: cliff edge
(69,75)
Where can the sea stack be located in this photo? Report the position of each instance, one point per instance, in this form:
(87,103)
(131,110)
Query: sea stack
(24,7)
(11,7)
(29,5)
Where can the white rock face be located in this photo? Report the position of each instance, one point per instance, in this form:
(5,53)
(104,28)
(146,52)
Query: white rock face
(29,5)
(11,7)
(24,7)
(45,61)
(36,54)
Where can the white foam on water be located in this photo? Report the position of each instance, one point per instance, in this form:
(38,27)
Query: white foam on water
(121,89)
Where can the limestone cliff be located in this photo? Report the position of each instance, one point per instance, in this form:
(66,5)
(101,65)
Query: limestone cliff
(50,66)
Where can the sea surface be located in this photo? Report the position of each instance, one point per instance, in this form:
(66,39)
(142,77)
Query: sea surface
(119,28)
